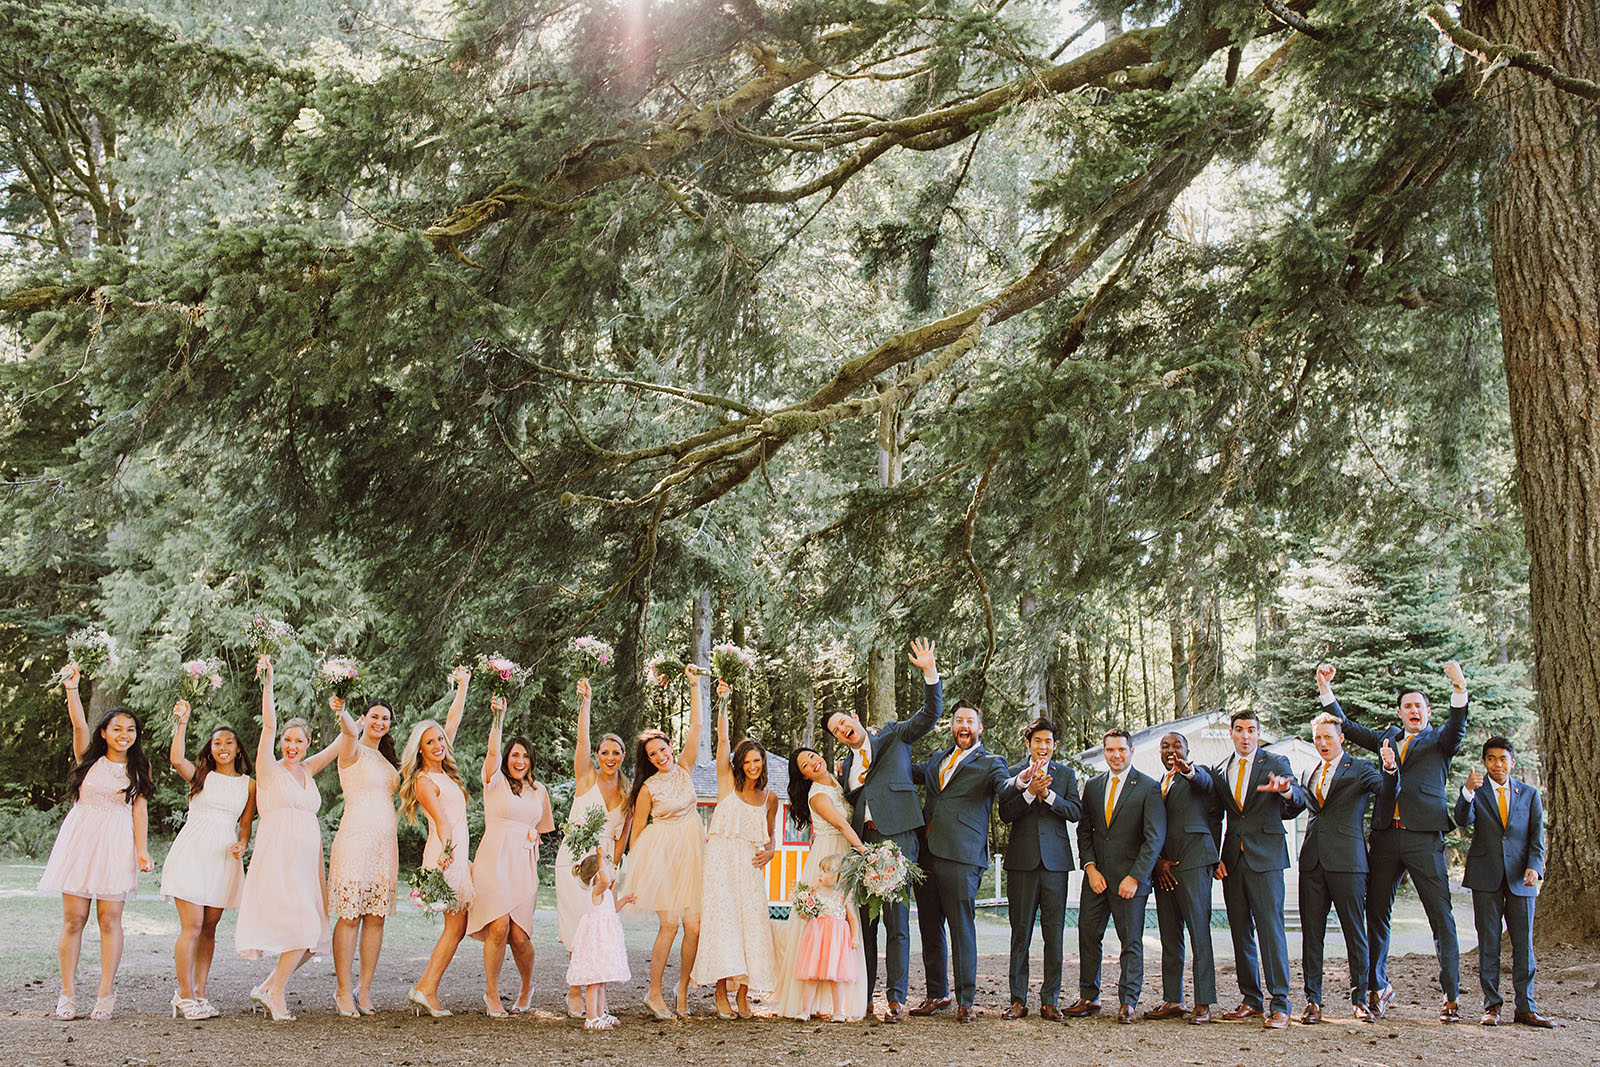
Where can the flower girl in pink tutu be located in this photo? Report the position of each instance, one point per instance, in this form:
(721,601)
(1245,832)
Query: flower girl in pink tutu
(827,953)
(598,952)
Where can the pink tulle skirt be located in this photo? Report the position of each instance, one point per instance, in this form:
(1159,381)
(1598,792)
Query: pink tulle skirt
(824,953)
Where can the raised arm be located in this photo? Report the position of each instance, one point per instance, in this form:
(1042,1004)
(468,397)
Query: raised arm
(583,770)
(1364,736)
(491,755)
(70,676)
(724,772)
(314,764)
(1455,727)
(697,715)
(922,656)
(458,705)
(269,716)
(180,732)
(349,733)
(823,807)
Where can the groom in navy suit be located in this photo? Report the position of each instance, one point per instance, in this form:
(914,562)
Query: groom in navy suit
(1504,866)
(876,775)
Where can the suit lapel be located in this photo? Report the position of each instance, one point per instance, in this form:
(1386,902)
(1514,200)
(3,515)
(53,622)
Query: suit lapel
(1122,792)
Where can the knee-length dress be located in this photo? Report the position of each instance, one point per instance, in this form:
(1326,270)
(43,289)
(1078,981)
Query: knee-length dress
(599,953)
(364,861)
(572,898)
(94,854)
(735,929)
(666,867)
(453,806)
(198,867)
(826,841)
(284,906)
(505,870)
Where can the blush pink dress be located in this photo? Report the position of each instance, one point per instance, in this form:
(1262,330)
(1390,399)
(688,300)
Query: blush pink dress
(284,906)
(453,806)
(825,953)
(666,868)
(599,953)
(364,862)
(505,871)
(198,867)
(94,855)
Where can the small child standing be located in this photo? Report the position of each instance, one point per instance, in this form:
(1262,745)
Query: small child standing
(827,951)
(599,954)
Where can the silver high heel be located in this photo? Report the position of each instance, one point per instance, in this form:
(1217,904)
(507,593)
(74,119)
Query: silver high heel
(66,1008)
(353,1013)
(210,1009)
(104,1008)
(420,1004)
(258,1000)
(490,1008)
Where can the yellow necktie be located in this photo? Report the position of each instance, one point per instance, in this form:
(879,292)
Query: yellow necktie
(866,760)
(1166,783)
(1322,782)
(1505,817)
(949,765)
(1404,744)
(1111,799)
(1238,788)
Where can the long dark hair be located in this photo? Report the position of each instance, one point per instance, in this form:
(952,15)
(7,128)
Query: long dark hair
(140,782)
(643,769)
(386,742)
(799,790)
(208,763)
(740,779)
(516,784)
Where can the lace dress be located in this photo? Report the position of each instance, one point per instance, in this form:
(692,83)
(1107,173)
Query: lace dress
(572,898)
(666,867)
(735,930)
(364,862)
(790,997)
(94,854)
(453,805)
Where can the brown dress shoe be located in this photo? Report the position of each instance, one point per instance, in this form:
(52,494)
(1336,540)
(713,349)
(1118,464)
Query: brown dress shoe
(1125,1015)
(1491,1016)
(1018,1010)
(1362,1014)
(1278,1020)
(1450,1012)
(1166,1010)
(1200,1015)
(929,1006)
(1243,1011)
(1379,1000)
(966,1014)
(1533,1018)
(1080,1008)
(895,1013)
(1312,1015)
(1050,1012)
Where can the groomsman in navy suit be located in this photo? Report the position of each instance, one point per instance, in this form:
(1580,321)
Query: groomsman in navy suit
(876,775)
(1184,873)
(1258,792)
(1504,866)
(1333,861)
(1119,838)
(1039,800)
(1408,830)
(959,785)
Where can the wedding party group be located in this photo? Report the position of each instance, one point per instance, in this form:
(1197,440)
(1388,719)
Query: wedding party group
(640,846)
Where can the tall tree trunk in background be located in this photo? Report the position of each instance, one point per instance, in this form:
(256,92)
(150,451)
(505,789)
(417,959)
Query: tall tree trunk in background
(1177,629)
(739,700)
(881,657)
(1037,694)
(700,637)
(1545,231)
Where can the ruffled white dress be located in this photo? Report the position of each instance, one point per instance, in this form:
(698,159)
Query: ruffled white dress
(735,929)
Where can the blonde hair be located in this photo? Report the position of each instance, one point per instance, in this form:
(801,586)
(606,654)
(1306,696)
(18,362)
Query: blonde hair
(411,767)
(1328,718)
(829,864)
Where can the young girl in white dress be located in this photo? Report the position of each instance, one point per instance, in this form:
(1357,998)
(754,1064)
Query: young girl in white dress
(667,852)
(735,931)
(598,782)
(203,874)
(430,780)
(599,954)
(101,847)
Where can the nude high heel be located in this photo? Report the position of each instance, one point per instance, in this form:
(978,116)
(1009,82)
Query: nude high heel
(104,1008)
(420,1004)
(66,1008)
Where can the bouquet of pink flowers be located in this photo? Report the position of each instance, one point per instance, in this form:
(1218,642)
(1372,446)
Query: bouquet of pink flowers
(731,661)
(806,902)
(198,679)
(337,675)
(430,890)
(268,637)
(664,668)
(504,675)
(880,875)
(93,651)
(591,652)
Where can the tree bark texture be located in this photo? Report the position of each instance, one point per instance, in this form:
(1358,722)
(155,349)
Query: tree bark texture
(1545,230)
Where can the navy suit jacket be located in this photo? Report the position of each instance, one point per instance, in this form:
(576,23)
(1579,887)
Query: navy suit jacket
(887,788)
(1336,833)
(1255,833)
(1039,836)
(1130,845)
(1421,785)
(1194,821)
(957,813)
(1499,854)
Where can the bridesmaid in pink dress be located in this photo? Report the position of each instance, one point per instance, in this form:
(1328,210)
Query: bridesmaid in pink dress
(429,780)
(100,848)
(364,862)
(283,910)
(505,871)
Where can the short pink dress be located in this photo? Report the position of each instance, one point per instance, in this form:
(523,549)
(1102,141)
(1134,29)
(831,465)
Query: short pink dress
(825,953)
(599,953)
(505,871)
(94,855)
(364,862)
(284,906)
(666,869)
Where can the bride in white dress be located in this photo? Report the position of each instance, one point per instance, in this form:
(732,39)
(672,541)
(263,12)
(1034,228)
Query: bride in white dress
(816,799)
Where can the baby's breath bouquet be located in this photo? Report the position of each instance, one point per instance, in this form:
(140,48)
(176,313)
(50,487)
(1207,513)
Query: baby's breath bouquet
(93,651)
(268,637)
(731,662)
(590,652)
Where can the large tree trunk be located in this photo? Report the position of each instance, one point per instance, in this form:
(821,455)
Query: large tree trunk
(1546,238)
(700,635)
(881,658)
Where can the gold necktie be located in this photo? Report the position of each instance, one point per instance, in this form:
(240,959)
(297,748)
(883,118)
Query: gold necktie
(1404,744)
(866,760)
(1322,783)
(1111,799)
(1166,783)
(1505,817)
(949,765)
(1238,788)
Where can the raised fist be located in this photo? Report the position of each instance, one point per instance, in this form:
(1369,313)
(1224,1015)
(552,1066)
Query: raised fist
(585,691)
(1452,671)
(1325,673)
